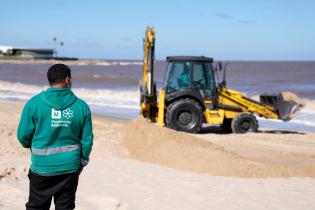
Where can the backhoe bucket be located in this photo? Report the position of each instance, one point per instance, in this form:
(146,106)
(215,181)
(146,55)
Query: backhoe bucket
(287,104)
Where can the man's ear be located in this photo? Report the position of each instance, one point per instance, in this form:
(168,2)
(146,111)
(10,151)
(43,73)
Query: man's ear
(68,81)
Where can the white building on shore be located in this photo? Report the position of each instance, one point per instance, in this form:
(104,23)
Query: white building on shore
(6,50)
(27,52)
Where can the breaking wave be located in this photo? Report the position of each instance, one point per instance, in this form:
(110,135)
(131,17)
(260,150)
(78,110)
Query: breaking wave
(104,63)
(104,101)
(125,103)
(121,63)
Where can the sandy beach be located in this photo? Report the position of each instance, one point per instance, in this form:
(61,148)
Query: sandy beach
(238,76)
(138,165)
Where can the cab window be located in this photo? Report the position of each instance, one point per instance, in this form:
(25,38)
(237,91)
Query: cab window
(178,76)
(202,79)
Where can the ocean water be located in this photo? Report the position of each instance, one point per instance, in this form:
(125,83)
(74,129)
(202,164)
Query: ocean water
(111,87)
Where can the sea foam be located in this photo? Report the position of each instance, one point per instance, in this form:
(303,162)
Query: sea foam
(125,104)
(97,97)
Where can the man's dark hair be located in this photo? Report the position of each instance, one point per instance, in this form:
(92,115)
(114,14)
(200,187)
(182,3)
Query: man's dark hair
(58,73)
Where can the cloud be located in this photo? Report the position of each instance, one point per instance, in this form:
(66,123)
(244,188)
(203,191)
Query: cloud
(224,16)
(227,16)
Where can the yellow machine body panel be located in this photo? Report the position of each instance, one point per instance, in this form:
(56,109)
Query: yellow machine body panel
(161,108)
(214,116)
(230,114)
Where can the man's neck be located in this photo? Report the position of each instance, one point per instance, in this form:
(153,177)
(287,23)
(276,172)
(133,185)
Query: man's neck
(60,85)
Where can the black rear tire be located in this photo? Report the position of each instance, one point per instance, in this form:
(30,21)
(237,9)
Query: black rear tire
(184,115)
(244,122)
(226,126)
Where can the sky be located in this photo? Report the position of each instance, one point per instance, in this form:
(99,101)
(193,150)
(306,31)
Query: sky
(105,29)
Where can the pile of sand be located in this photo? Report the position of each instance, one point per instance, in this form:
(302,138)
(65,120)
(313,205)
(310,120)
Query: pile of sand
(147,141)
(290,96)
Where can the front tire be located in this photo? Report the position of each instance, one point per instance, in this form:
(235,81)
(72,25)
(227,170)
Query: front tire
(244,122)
(184,115)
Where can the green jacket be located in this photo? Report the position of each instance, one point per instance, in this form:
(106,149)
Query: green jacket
(57,127)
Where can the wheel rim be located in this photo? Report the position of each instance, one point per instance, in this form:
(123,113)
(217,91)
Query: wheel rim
(186,119)
(246,125)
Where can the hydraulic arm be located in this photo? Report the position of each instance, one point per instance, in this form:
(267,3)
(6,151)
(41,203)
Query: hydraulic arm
(147,86)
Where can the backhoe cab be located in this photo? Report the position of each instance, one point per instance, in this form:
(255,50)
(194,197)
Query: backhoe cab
(189,89)
(191,96)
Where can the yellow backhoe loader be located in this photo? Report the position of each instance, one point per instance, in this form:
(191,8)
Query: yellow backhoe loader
(191,96)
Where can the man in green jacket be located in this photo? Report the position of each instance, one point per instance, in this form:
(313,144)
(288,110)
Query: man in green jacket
(57,127)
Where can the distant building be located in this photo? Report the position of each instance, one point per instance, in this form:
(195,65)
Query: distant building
(27,52)
(6,50)
(33,53)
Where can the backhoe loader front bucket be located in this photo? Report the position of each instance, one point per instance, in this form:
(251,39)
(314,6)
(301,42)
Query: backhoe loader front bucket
(287,104)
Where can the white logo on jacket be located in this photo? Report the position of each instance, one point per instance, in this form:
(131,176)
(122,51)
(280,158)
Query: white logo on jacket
(55,114)
(56,117)
(68,113)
